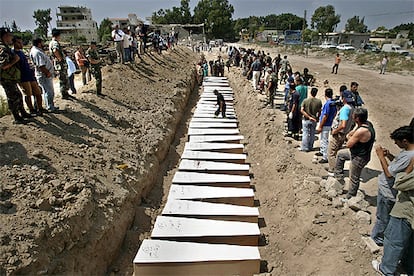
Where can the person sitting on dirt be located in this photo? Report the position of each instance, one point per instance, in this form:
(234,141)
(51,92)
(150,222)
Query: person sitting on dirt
(308,79)
(404,139)
(399,234)
(221,104)
(359,146)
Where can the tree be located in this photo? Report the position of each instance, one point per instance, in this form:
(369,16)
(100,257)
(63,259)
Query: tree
(324,19)
(405,27)
(217,17)
(42,20)
(14,27)
(104,30)
(355,25)
(177,15)
(288,21)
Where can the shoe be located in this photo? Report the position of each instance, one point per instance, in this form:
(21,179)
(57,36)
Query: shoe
(19,121)
(331,174)
(27,115)
(376,267)
(318,154)
(323,161)
(303,150)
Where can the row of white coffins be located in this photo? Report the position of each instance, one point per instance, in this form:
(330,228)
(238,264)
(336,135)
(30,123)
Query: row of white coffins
(209,225)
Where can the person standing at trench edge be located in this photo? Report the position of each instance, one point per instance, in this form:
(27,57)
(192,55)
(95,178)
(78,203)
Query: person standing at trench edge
(221,104)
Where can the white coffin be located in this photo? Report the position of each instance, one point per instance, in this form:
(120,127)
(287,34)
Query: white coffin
(214,156)
(228,195)
(206,210)
(221,180)
(213,167)
(217,138)
(205,231)
(157,257)
(215,147)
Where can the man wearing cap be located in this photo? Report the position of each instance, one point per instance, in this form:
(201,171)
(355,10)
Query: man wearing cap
(10,76)
(95,62)
(341,126)
(358,150)
(60,64)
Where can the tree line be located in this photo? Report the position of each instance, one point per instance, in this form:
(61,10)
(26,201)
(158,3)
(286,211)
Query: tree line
(217,17)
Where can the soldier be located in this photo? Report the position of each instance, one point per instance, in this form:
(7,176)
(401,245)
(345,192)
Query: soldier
(10,76)
(60,64)
(95,62)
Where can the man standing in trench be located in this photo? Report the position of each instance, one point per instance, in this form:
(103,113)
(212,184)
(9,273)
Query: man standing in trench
(221,104)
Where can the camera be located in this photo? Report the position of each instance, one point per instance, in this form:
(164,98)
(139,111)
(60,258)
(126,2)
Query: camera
(337,101)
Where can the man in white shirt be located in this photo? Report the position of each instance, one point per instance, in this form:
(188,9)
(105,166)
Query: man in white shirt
(44,73)
(118,37)
(127,43)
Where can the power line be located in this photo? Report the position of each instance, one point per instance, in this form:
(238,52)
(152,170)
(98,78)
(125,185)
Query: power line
(391,13)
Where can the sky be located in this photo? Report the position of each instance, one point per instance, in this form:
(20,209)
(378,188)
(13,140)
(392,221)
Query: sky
(387,13)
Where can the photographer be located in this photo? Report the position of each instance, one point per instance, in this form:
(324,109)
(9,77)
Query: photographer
(341,126)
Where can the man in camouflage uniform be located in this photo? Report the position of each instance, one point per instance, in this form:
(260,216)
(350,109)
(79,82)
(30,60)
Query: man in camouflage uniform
(60,64)
(95,61)
(10,76)
(272,87)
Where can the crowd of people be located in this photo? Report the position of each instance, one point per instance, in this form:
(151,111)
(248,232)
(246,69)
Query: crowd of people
(130,44)
(32,75)
(346,134)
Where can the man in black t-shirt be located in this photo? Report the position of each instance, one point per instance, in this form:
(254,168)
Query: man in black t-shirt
(221,104)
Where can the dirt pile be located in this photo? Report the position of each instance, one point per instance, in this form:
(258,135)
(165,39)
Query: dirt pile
(70,181)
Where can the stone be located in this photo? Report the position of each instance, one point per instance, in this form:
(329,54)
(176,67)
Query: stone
(357,203)
(332,193)
(71,187)
(337,202)
(371,245)
(43,204)
(363,217)
(333,183)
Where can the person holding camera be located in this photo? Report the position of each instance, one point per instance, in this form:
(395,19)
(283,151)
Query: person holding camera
(341,126)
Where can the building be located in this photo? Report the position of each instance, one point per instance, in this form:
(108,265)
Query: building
(130,22)
(76,24)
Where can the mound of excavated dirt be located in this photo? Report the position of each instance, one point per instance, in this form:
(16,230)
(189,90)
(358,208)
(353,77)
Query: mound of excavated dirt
(70,181)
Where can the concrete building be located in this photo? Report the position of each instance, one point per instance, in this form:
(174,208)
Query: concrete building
(76,24)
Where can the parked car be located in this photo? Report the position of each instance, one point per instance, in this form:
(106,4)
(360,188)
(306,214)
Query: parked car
(369,47)
(345,47)
(393,48)
(328,45)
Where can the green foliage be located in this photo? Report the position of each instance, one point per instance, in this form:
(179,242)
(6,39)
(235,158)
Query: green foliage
(288,21)
(4,108)
(104,30)
(42,20)
(177,15)
(217,17)
(405,27)
(309,35)
(324,19)
(356,25)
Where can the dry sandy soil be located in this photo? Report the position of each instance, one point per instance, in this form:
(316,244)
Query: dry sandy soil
(80,189)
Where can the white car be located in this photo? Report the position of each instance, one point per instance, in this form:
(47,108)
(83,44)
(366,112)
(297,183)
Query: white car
(327,45)
(345,46)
